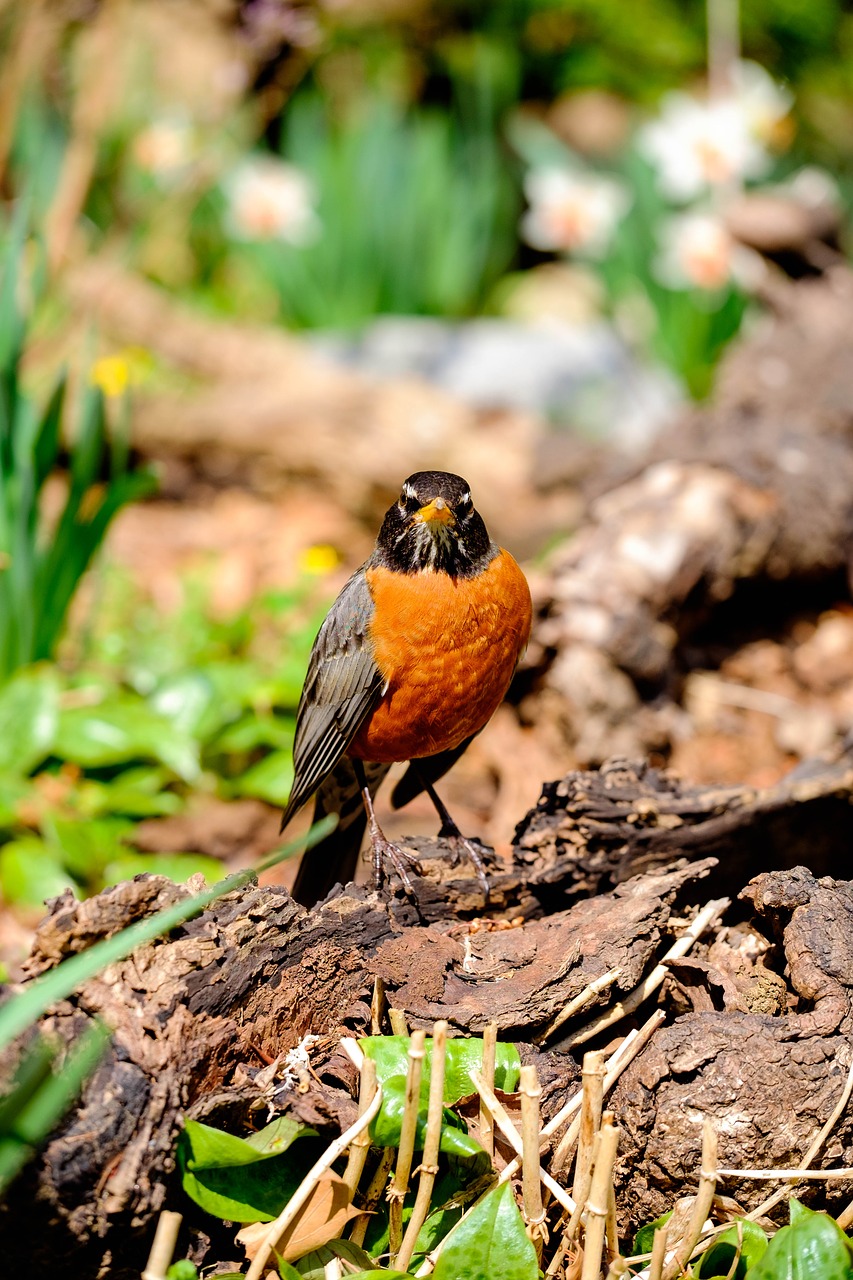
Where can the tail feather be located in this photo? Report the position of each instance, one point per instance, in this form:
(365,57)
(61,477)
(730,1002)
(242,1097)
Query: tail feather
(333,861)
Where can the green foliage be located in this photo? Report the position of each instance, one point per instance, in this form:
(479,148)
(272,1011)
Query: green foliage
(244,1179)
(417,214)
(41,561)
(489,1244)
(645,1237)
(390,1053)
(156,713)
(743,1240)
(811,1245)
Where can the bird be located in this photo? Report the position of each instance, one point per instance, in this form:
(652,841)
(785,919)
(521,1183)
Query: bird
(412,661)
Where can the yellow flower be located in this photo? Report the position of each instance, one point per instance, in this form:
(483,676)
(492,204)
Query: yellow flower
(115,373)
(111,374)
(319,559)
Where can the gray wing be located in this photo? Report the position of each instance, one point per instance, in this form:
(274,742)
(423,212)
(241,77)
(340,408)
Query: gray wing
(342,687)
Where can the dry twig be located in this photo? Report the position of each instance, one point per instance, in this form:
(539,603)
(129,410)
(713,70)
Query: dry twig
(408,1132)
(701,1205)
(429,1166)
(599,1198)
(361,1145)
(534,1209)
(487,1124)
(163,1248)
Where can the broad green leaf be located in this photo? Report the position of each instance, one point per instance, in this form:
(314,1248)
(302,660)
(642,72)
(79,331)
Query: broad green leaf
(121,729)
(182,1270)
(812,1246)
(390,1055)
(137,792)
(13,789)
(489,1244)
(313,1265)
(29,717)
(270,779)
(286,1270)
(189,701)
(254,730)
(743,1238)
(87,847)
(31,871)
(240,1179)
(645,1237)
(385,1129)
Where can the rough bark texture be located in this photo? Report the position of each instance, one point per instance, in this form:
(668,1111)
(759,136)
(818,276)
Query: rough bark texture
(743,496)
(198,1015)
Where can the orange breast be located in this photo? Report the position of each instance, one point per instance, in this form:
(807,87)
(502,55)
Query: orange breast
(448,647)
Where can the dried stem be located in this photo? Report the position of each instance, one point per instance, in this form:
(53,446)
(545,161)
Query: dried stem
(487,1124)
(659,1244)
(845,1218)
(616,1064)
(408,1133)
(589,1125)
(429,1166)
(653,980)
(309,1182)
(163,1248)
(579,1002)
(599,1198)
(377,1005)
(513,1137)
(372,1196)
(701,1205)
(399,1025)
(533,1208)
(361,1144)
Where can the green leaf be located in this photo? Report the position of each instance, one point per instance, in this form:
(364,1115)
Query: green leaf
(645,1237)
(812,1245)
(29,717)
(121,729)
(743,1238)
(182,1270)
(31,871)
(254,730)
(489,1244)
(177,866)
(270,779)
(385,1129)
(242,1179)
(390,1053)
(87,847)
(189,701)
(312,1266)
(286,1270)
(138,793)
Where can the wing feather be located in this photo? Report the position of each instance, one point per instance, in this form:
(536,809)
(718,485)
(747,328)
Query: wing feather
(342,687)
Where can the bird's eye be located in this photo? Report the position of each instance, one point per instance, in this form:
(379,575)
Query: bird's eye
(464,508)
(408,502)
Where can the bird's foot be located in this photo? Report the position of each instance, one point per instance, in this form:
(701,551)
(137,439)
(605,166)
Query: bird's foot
(471,849)
(384,853)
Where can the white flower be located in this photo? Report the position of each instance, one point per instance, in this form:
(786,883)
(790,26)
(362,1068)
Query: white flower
(271,200)
(165,148)
(763,101)
(695,145)
(572,211)
(698,253)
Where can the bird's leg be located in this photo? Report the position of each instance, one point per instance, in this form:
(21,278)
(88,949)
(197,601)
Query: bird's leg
(449,831)
(381,846)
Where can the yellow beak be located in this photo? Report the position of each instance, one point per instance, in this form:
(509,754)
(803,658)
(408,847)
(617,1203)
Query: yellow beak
(435,512)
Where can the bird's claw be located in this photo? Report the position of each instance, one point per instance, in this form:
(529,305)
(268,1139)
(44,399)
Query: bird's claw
(473,850)
(386,852)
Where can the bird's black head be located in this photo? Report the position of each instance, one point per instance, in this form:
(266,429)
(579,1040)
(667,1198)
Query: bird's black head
(433,525)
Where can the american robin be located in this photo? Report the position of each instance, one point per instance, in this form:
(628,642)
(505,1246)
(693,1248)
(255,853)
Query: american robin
(412,661)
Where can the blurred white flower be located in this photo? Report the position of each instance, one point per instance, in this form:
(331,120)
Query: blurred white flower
(572,211)
(164,148)
(271,200)
(695,145)
(764,102)
(697,252)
